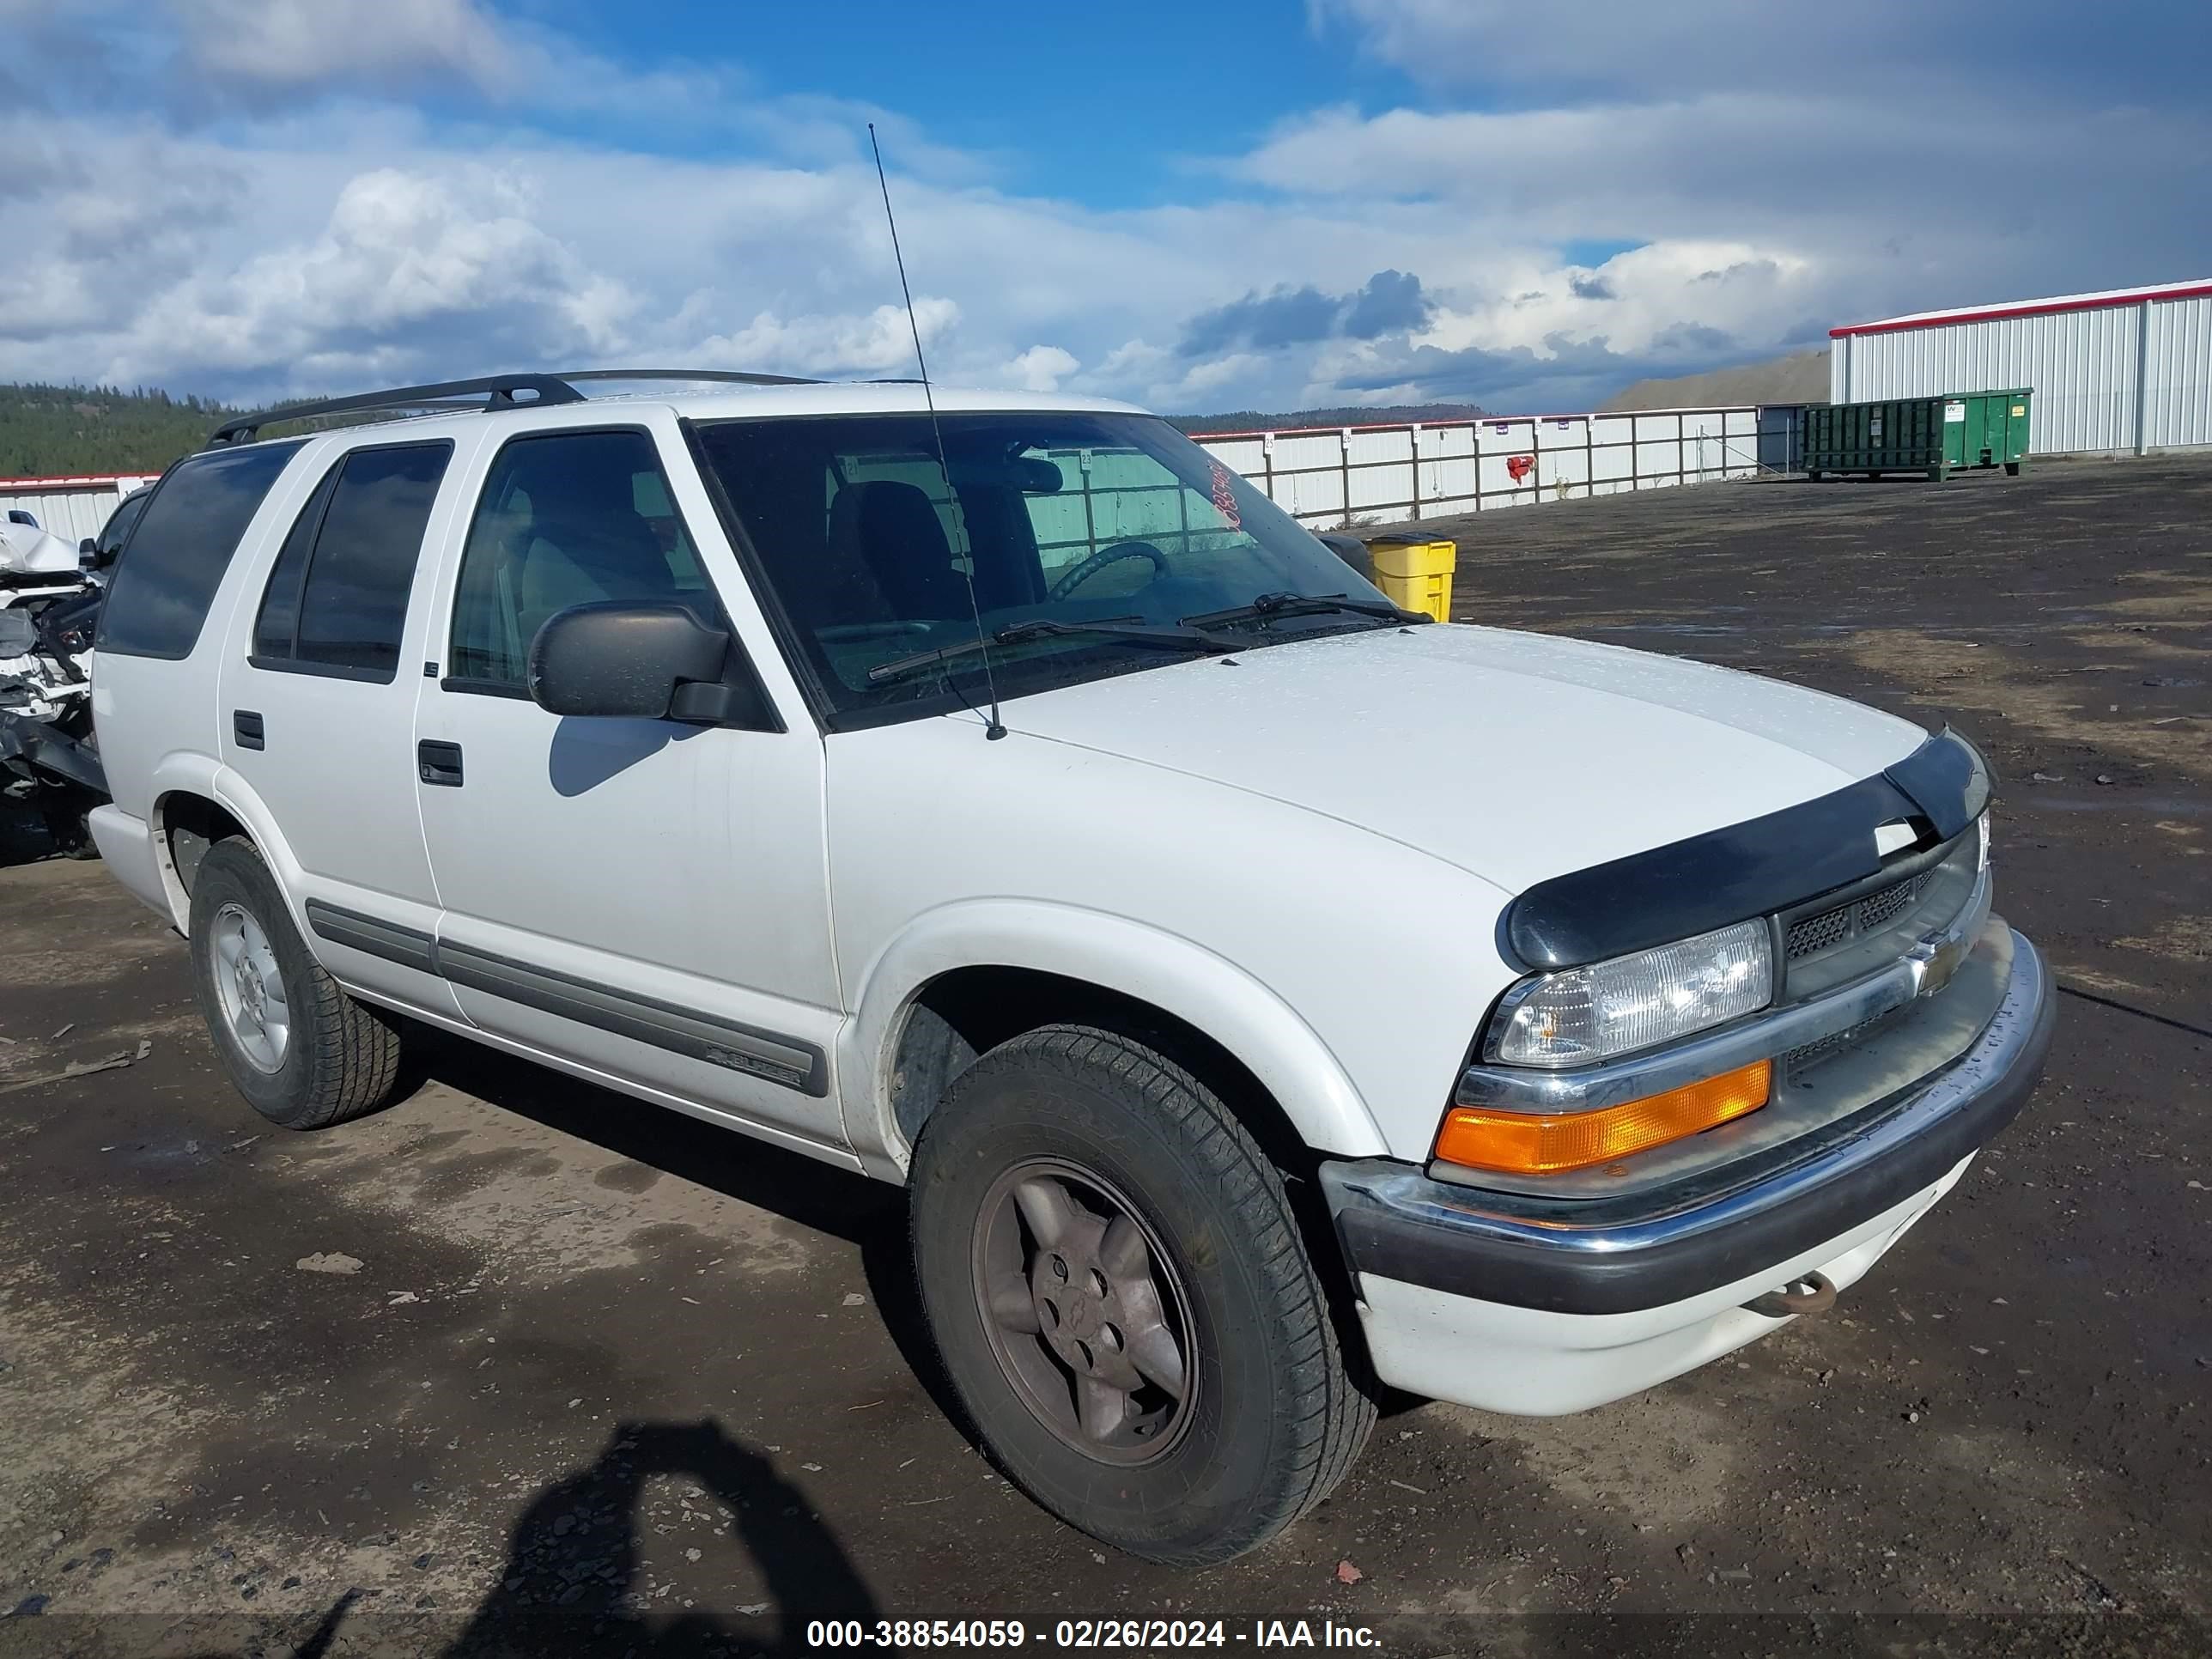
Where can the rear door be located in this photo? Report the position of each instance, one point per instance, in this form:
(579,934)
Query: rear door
(644,898)
(317,709)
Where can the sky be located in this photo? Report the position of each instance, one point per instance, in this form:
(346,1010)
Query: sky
(1202,206)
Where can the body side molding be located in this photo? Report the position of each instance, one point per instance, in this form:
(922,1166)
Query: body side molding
(787,1060)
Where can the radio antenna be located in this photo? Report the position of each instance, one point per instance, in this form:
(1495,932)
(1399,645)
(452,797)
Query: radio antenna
(994,727)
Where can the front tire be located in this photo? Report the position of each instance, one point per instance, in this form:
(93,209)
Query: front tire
(303,1052)
(1117,1286)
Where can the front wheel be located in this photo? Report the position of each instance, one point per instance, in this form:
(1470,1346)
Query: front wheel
(1117,1286)
(303,1052)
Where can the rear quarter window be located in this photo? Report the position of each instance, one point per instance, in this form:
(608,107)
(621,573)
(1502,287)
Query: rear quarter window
(337,601)
(158,598)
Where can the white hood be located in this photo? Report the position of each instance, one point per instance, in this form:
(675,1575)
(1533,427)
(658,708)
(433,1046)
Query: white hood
(26,550)
(1515,756)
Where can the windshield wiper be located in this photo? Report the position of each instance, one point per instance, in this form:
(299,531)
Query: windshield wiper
(1176,636)
(1268,607)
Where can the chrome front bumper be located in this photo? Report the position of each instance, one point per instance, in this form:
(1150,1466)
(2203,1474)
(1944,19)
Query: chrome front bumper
(1662,1244)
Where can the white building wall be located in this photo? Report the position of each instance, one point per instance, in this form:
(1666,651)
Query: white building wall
(2112,378)
(2177,402)
(71,508)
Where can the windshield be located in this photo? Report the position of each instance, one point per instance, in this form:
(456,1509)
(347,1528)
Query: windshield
(1062,518)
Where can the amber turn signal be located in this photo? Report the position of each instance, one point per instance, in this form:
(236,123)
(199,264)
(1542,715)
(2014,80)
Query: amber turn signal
(1526,1143)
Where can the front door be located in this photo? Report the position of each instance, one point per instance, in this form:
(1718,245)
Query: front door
(643,898)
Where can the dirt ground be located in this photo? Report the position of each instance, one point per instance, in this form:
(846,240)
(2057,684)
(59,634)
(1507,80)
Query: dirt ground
(522,1366)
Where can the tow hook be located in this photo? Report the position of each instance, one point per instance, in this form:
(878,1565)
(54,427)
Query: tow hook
(1807,1293)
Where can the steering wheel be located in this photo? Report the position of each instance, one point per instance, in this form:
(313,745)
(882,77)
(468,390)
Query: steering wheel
(1104,556)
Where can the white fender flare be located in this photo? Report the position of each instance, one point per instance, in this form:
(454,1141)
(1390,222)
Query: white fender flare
(1170,972)
(185,773)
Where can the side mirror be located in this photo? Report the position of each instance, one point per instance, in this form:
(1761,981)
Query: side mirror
(1350,548)
(620,660)
(88,555)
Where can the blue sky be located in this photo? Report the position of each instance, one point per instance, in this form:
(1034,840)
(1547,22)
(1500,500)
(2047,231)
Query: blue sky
(1118,106)
(1198,206)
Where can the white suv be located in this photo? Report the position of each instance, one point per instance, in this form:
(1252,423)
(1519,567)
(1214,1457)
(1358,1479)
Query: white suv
(1300,995)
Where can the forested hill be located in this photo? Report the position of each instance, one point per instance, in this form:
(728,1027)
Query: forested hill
(47,430)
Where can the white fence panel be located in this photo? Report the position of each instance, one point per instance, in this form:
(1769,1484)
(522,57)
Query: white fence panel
(1387,474)
(1446,480)
(1563,455)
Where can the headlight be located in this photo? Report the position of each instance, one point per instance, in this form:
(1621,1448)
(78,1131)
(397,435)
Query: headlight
(1608,1008)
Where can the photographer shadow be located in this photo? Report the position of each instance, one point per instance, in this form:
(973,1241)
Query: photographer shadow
(569,1585)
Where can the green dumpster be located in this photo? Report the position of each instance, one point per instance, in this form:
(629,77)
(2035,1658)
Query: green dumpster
(1934,436)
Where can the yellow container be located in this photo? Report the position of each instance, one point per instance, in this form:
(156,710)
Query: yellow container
(1417,575)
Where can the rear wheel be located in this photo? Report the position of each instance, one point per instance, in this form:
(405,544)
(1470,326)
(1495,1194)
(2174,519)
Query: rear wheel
(303,1052)
(1116,1284)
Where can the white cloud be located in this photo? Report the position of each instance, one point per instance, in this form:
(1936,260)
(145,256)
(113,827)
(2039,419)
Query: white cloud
(326,232)
(1042,368)
(1881,52)
(391,45)
(879,342)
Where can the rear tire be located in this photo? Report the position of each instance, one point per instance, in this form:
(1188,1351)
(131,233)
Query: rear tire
(1169,1262)
(303,1052)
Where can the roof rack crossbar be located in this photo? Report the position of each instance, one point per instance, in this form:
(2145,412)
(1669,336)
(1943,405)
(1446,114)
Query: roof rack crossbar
(499,389)
(731,376)
(498,392)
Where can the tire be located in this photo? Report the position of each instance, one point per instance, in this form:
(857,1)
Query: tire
(337,1058)
(1267,1421)
(71,836)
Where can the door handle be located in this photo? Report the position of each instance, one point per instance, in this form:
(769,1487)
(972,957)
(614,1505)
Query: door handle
(245,727)
(438,763)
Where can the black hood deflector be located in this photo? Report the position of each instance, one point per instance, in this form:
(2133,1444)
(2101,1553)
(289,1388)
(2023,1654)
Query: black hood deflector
(1749,869)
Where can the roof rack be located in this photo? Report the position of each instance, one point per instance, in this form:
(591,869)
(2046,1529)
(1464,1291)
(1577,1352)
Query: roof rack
(498,391)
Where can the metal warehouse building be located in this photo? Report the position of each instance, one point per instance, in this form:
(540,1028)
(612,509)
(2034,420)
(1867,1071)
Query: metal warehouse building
(2124,372)
(72,507)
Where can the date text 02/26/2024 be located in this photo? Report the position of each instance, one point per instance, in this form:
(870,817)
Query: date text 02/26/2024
(1087,1633)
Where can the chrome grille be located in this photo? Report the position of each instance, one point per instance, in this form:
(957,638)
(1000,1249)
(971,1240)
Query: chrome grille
(1817,934)
(1812,934)
(1803,1058)
(1882,908)
(1794,1064)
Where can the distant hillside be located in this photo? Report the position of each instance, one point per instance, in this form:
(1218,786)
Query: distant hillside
(1252,420)
(1799,378)
(49,429)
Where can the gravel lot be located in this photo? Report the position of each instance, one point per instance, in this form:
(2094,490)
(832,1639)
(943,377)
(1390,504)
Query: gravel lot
(523,1366)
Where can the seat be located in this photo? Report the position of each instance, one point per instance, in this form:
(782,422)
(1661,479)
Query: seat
(584,541)
(891,531)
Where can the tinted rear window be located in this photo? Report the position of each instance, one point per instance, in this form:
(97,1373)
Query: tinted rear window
(158,598)
(337,598)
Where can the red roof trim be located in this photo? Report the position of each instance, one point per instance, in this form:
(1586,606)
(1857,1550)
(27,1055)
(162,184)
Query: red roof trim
(2042,309)
(75,481)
